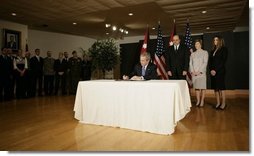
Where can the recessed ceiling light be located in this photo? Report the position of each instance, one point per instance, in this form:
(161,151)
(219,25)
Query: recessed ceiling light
(207,28)
(114,28)
(13,14)
(74,23)
(204,11)
(126,32)
(107,33)
(130,14)
(153,28)
(107,25)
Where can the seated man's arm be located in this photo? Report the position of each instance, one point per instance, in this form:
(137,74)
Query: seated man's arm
(133,73)
(152,74)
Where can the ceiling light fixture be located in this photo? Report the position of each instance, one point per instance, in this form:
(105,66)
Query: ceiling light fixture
(207,28)
(130,14)
(121,30)
(114,28)
(153,28)
(126,32)
(74,23)
(107,25)
(107,33)
(13,14)
(204,11)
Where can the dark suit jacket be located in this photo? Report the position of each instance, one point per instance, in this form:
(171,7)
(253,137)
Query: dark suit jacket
(36,66)
(61,66)
(6,66)
(12,46)
(86,70)
(218,61)
(151,71)
(177,60)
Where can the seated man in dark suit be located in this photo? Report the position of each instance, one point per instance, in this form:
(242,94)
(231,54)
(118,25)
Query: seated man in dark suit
(145,70)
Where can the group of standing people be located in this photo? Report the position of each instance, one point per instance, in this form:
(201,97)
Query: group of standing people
(26,74)
(179,62)
(23,77)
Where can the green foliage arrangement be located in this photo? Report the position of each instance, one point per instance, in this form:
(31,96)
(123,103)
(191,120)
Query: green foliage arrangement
(104,54)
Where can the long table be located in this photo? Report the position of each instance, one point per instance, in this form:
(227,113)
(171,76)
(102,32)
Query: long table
(151,106)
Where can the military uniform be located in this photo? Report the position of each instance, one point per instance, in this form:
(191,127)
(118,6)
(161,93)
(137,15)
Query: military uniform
(86,70)
(49,73)
(75,66)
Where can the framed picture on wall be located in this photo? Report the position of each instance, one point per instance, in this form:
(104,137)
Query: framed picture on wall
(12,39)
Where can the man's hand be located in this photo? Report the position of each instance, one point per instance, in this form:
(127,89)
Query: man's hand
(213,72)
(136,78)
(125,77)
(184,73)
(60,73)
(169,73)
(196,73)
(22,73)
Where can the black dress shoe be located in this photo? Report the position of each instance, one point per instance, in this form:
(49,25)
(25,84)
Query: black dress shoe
(223,107)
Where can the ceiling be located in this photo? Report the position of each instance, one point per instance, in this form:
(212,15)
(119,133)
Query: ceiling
(92,15)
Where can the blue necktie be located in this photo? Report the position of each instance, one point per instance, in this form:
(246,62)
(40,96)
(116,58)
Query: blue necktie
(143,71)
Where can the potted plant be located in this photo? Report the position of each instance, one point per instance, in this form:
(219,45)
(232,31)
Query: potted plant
(104,55)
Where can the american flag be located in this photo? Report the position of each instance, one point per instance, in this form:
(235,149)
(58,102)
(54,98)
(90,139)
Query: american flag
(188,43)
(159,56)
(146,39)
(188,39)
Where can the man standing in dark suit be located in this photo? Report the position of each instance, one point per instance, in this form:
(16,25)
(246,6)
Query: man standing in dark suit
(67,73)
(60,67)
(28,75)
(145,70)
(6,70)
(13,76)
(177,60)
(36,65)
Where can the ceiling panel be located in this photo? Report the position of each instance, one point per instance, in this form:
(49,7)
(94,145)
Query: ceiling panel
(92,15)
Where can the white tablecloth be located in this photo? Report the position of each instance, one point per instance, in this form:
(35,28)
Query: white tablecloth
(153,106)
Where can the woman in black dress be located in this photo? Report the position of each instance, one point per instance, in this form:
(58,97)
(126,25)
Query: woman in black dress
(20,68)
(218,57)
